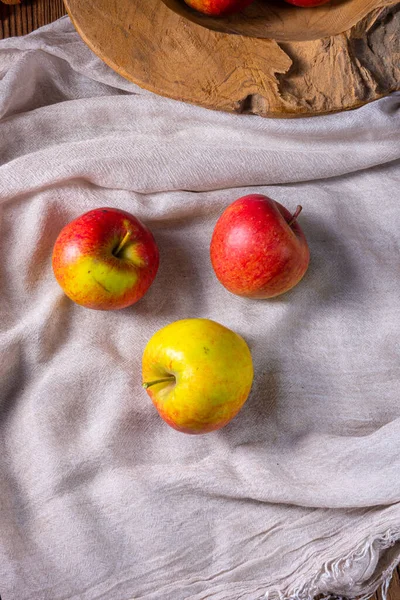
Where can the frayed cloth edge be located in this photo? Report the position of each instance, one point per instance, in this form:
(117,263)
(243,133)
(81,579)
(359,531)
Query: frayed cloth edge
(330,572)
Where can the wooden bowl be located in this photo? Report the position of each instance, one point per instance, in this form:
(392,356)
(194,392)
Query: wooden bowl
(161,51)
(282,22)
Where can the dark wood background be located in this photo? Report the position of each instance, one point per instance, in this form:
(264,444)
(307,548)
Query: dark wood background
(21,19)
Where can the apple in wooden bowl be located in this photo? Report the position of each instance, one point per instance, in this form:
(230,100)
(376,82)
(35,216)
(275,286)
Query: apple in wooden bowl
(218,8)
(279,20)
(307,3)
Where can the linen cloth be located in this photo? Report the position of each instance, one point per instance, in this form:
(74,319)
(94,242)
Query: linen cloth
(300,493)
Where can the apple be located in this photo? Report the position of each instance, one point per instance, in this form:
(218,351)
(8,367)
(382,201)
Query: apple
(258,249)
(105,259)
(198,374)
(307,3)
(218,8)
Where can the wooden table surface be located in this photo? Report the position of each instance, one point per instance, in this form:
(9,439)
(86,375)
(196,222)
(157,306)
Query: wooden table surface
(21,19)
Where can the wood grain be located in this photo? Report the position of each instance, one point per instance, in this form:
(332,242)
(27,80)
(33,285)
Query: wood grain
(31,14)
(394,588)
(283,22)
(161,51)
(17,20)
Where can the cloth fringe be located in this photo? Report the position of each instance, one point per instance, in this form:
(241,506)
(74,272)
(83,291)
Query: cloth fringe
(331,571)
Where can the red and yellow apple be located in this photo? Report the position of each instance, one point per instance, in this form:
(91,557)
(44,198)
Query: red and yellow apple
(307,3)
(198,374)
(258,249)
(218,8)
(105,259)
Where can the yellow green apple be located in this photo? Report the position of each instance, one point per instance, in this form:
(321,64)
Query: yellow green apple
(198,374)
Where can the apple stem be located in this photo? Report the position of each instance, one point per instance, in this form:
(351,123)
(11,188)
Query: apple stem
(150,383)
(122,243)
(295,215)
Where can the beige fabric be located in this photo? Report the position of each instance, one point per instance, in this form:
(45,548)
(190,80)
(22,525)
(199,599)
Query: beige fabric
(99,498)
